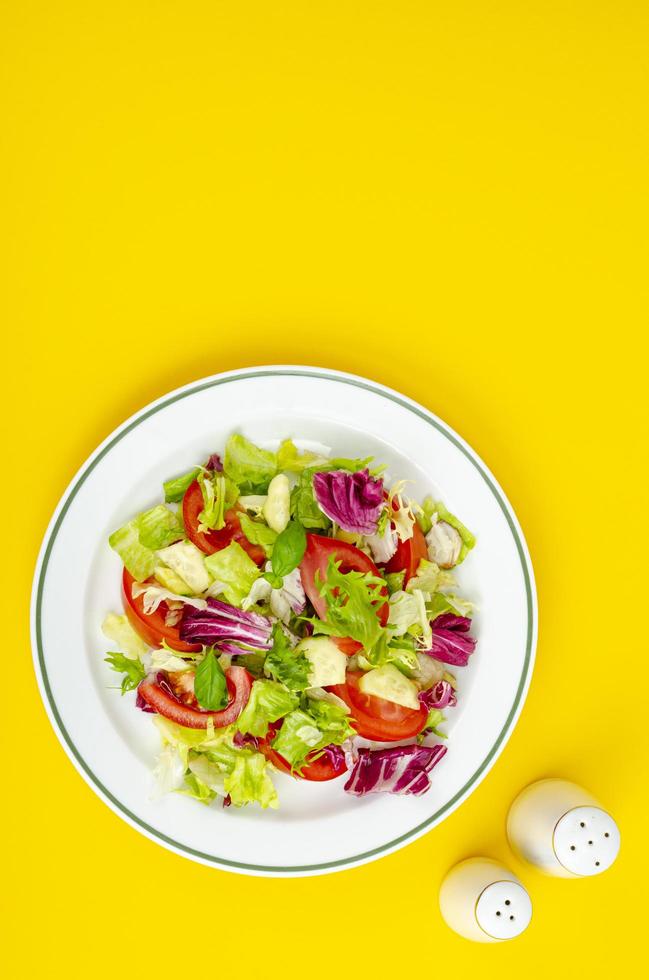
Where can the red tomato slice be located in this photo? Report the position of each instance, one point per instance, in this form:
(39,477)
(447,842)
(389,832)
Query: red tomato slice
(316,559)
(151,626)
(319,771)
(408,554)
(165,703)
(378,719)
(211,541)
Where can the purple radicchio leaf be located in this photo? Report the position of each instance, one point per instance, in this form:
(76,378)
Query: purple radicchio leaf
(336,755)
(143,705)
(241,741)
(227,800)
(214,463)
(451,642)
(401,769)
(353,500)
(441,695)
(221,622)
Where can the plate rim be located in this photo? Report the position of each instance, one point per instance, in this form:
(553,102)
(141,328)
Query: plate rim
(38,587)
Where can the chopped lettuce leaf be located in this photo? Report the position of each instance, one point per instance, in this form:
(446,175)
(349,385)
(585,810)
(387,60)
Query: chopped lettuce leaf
(119,630)
(268,702)
(435,718)
(139,560)
(286,664)
(394,581)
(291,460)
(426,578)
(180,736)
(398,650)
(304,506)
(234,570)
(331,718)
(298,737)
(434,510)
(352,600)
(167,659)
(408,610)
(194,787)
(207,773)
(174,490)
(353,465)
(442,603)
(169,770)
(219,496)
(307,730)
(258,532)
(249,467)
(250,782)
(159,527)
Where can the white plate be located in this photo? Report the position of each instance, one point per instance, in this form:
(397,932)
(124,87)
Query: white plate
(318,827)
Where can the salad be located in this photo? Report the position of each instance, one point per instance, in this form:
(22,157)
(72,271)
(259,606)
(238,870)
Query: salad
(291,612)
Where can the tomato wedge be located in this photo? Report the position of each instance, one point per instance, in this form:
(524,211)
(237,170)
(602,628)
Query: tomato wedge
(159,696)
(316,559)
(211,541)
(408,554)
(319,771)
(378,719)
(151,626)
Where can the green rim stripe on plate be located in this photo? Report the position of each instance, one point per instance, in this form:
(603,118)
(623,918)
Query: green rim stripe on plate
(200,386)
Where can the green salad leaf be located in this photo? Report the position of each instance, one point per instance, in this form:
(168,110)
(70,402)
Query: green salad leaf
(137,541)
(258,532)
(286,664)
(119,630)
(139,560)
(268,702)
(352,602)
(432,510)
(132,669)
(304,506)
(394,581)
(249,781)
(235,570)
(159,527)
(219,495)
(175,489)
(249,467)
(309,729)
(291,460)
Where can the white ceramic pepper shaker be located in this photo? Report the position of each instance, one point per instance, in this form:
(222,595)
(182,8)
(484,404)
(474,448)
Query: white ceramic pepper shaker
(562,830)
(483,901)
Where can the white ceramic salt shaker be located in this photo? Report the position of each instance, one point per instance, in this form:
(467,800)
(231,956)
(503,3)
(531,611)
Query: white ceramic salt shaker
(562,830)
(483,901)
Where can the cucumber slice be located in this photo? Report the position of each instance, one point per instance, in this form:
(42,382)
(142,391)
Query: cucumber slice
(171,580)
(186,560)
(389,683)
(328,664)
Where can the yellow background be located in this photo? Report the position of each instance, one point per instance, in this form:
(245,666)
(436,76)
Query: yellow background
(450,198)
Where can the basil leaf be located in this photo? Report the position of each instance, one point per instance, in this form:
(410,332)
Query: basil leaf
(210,686)
(289,548)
